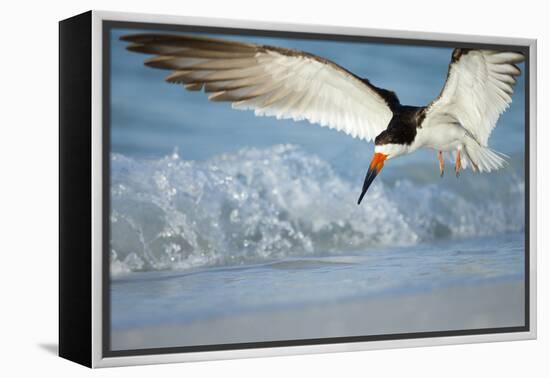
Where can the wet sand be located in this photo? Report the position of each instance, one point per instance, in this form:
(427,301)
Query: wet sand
(489,305)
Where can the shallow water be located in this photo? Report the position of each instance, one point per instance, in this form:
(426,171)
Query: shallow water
(166,298)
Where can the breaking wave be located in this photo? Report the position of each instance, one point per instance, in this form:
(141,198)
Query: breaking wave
(281,202)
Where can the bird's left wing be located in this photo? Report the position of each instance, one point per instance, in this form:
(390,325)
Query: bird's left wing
(272,81)
(478,90)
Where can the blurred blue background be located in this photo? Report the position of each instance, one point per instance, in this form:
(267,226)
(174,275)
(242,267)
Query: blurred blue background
(151,117)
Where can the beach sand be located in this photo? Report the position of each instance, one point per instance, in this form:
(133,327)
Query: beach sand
(488,305)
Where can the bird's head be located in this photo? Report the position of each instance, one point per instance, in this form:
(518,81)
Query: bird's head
(395,140)
(388,144)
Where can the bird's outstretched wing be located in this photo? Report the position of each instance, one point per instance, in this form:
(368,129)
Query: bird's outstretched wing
(478,90)
(272,81)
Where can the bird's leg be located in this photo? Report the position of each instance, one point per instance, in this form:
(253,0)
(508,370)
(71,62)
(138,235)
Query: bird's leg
(458,163)
(441,163)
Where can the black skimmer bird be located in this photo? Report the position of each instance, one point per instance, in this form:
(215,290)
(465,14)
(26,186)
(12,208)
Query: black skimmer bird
(292,84)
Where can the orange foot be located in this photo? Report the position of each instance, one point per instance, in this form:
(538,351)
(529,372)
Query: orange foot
(458,164)
(441,163)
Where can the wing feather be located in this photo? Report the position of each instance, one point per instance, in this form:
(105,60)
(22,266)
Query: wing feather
(478,90)
(272,81)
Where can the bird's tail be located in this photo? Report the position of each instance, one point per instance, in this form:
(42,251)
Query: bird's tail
(483,159)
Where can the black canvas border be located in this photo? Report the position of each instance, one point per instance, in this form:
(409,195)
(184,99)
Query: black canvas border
(75,189)
(108,25)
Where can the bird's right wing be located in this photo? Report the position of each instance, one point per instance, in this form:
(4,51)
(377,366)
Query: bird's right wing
(478,90)
(272,81)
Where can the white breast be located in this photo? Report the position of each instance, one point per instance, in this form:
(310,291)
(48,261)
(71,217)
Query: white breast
(392,150)
(442,137)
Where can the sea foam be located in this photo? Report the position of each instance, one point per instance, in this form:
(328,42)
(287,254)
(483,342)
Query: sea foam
(258,205)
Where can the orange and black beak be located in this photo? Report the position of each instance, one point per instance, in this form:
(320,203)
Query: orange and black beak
(375,167)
